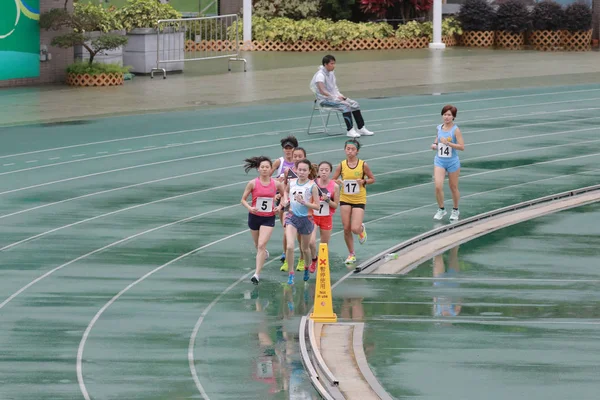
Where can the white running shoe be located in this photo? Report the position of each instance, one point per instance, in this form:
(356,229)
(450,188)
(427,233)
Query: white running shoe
(352,133)
(440,214)
(454,215)
(365,132)
(267,254)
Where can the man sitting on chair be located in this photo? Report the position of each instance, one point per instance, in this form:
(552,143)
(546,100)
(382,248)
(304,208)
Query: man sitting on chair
(328,95)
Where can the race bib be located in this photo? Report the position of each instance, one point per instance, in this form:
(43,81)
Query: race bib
(351,186)
(264,204)
(323,210)
(444,151)
(264,369)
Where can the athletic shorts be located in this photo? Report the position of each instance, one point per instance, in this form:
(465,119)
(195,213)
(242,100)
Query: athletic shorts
(362,206)
(324,222)
(304,225)
(256,221)
(450,166)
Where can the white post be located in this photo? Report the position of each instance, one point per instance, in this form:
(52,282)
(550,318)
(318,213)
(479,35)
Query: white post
(437,26)
(247,21)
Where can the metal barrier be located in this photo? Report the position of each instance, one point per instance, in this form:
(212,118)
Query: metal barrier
(195,39)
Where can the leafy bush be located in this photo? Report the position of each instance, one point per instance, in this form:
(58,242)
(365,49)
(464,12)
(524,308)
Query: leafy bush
(337,9)
(81,68)
(85,19)
(578,17)
(144,14)
(477,15)
(512,16)
(296,9)
(547,15)
(451,26)
(313,29)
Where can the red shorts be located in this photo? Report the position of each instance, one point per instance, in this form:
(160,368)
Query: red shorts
(324,222)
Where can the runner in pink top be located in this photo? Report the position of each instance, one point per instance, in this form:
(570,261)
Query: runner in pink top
(262,210)
(329,197)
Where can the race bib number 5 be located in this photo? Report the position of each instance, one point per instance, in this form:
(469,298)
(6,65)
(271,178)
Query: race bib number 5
(444,151)
(351,187)
(264,204)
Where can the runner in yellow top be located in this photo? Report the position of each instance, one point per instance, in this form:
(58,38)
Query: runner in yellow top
(353,175)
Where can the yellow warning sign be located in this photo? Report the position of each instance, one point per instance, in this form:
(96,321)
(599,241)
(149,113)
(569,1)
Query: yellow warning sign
(323,309)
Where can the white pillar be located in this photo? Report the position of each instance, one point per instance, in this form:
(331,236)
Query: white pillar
(437,26)
(248,20)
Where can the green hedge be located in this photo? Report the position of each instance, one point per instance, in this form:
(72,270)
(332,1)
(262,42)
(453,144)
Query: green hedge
(289,31)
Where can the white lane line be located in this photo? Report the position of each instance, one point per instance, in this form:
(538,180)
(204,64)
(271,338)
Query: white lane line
(489,321)
(233,151)
(8,165)
(370,159)
(54,158)
(77,155)
(31,161)
(7,247)
(39,235)
(192,341)
(148,147)
(298,118)
(491,279)
(90,326)
(124,149)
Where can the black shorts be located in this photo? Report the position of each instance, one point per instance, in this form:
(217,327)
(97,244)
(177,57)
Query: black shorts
(256,221)
(361,206)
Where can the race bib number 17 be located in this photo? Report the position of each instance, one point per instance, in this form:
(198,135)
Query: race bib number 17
(351,187)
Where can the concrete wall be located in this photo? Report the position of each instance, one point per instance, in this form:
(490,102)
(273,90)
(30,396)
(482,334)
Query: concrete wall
(53,70)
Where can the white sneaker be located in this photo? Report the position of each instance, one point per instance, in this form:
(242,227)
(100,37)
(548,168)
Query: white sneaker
(440,214)
(352,133)
(454,215)
(365,132)
(267,254)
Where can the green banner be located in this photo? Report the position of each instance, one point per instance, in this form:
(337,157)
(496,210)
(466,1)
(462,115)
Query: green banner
(19,39)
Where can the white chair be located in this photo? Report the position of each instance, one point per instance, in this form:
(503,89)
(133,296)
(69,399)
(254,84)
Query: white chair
(325,113)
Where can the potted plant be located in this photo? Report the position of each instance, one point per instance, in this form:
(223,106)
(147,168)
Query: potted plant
(90,27)
(578,27)
(512,20)
(547,20)
(139,19)
(477,18)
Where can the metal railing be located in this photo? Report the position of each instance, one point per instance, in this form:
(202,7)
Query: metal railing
(196,39)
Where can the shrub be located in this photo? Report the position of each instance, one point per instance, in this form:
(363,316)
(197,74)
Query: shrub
(144,14)
(512,16)
(578,17)
(81,68)
(477,15)
(451,26)
(296,9)
(547,15)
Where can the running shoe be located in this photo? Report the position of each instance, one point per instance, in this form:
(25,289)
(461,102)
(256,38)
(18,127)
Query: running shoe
(267,254)
(254,279)
(306,275)
(454,215)
(313,266)
(362,237)
(284,266)
(300,266)
(290,279)
(282,258)
(351,259)
(440,214)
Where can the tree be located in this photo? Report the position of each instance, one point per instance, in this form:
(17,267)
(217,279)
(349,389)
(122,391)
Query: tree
(83,21)
(393,9)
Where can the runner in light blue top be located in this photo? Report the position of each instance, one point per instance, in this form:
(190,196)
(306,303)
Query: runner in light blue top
(447,143)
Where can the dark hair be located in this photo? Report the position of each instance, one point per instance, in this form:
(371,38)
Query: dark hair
(328,163)
(450,108)
(254,162)
(313,169)
(301,149)
(289,140)
(327,59)
(354,142)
